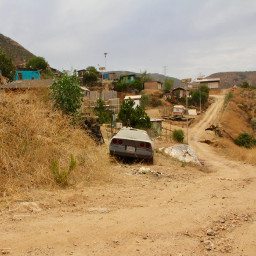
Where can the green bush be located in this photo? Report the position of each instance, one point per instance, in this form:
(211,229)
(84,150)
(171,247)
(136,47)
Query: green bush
(245,85)
(102,112)
(61,177)
(245,140)
(66,93)
(178,135)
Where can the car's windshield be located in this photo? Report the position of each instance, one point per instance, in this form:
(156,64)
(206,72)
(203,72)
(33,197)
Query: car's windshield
(132,134)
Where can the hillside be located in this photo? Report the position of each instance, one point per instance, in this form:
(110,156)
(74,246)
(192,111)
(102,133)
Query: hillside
(28,149)
(14,50)
(229,79)
(238,116)
(155,77)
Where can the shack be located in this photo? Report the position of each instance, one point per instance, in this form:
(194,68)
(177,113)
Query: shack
(136,98)
(178,110)
(157,125)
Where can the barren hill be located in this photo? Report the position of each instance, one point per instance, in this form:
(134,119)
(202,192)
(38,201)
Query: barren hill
(229,79)
(14,50)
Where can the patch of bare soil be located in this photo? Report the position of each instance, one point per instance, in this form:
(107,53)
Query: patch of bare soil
(173,209)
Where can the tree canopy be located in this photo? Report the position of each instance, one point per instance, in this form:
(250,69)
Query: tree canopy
(37,63)
(6,66)
(202,92)
(90,76)
(102,112)
(66,93)
(168,84)
(134,117)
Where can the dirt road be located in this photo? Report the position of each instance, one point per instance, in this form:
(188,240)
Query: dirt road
(186,211)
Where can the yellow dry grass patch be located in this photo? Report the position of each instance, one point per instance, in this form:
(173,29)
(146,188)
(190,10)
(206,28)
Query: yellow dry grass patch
(238,153)
(32,136)
(236,120)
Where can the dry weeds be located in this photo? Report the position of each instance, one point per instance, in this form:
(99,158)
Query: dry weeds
(236,120)
(32,136)
(238,153)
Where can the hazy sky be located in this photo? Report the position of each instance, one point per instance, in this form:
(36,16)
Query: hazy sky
(187,36)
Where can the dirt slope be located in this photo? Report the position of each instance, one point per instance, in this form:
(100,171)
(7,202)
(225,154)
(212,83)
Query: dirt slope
(188,212)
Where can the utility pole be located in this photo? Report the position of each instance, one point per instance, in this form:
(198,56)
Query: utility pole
(186,81)
(105,54)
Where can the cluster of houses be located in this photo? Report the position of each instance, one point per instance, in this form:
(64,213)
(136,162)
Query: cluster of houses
(109,96)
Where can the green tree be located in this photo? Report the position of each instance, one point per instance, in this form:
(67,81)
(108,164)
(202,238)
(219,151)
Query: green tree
(6,66)
(120,87)
(204,88)
(202,92)
(137,85)
(37,63)
(90,76)
(135,117)
(168,84)
(92,70)
(66,93)
(145,77)
(102,112)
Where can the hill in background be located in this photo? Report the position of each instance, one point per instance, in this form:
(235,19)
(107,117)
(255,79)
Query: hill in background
(229,79)
(15,51)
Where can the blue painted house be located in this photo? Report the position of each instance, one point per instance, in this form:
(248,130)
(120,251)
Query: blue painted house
(27,74)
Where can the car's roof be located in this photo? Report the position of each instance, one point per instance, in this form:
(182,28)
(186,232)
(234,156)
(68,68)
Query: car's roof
(131,133)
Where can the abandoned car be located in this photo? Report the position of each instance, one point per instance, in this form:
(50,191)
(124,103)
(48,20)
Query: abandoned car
(130,142)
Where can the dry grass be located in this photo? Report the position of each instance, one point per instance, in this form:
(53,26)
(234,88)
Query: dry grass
(32,136)
(236,120)
(238,153)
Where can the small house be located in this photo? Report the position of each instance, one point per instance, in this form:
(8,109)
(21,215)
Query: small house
(212,83)
(128,78)
(178,110)
(179,92)
(110,76)
(153,85)
(136,98)
(27,74)
(81,73)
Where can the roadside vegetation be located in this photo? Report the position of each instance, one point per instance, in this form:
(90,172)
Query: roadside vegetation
(33,137)
(239,121)
(178,135)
